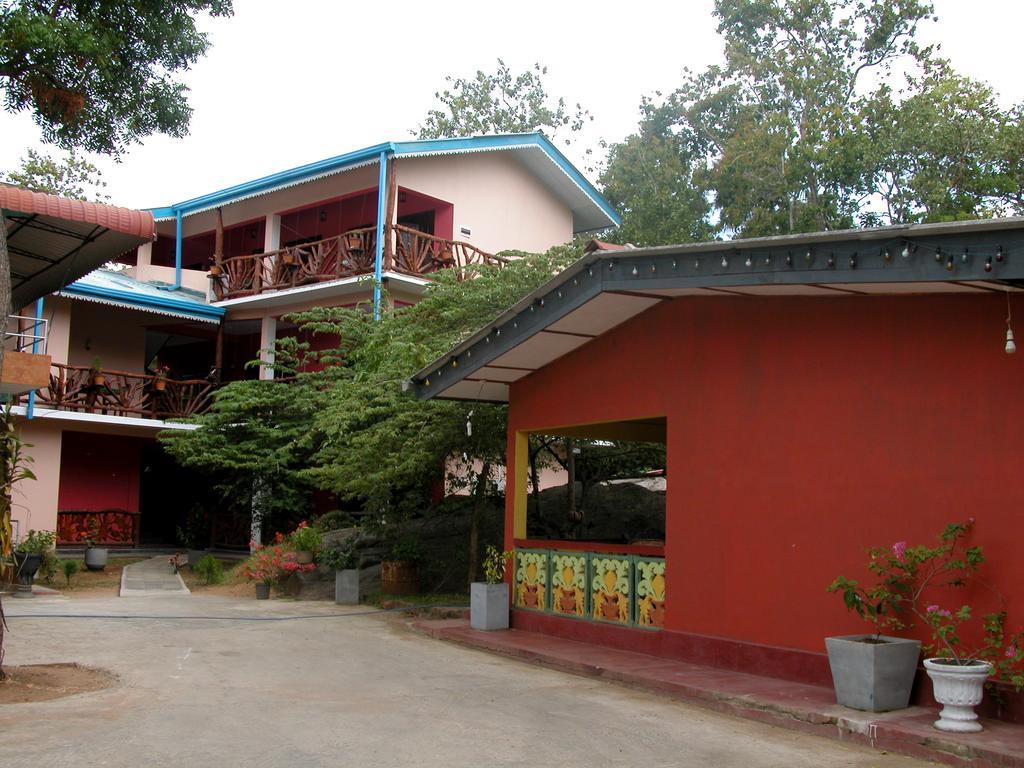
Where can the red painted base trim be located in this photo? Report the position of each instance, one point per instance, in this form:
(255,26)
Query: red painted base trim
(740,656)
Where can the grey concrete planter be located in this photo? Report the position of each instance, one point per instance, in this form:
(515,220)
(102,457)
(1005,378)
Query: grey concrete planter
(96,558)
(346,587)
(874,677)
(488,606)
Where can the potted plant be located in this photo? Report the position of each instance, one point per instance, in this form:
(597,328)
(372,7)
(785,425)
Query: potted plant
(399,574)
(958,671)
(160,377)
(344,561)
(215,271)
(875,672)
(488,601)
(96,376)
(306,542)
(354,242)
(270,566)
(95,557)
(28,556)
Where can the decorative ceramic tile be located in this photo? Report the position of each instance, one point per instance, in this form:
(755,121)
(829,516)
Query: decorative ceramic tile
(569,583)
(650,592)
(610,589)
(531,580)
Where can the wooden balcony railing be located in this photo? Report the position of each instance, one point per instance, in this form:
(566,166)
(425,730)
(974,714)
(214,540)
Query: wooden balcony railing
(118,393)
(347,255)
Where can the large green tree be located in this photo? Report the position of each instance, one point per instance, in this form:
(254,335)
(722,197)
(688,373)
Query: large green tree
(502,101)
(69,176)
(96,75)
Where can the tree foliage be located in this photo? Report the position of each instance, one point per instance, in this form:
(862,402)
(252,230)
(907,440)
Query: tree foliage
(100,75)
(72,176)
(501,102)
(826,114)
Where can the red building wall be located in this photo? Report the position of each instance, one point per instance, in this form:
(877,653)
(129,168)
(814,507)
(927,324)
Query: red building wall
(99,472)
(800,432)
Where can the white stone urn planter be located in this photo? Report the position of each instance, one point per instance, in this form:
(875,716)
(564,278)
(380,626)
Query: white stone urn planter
(959,688)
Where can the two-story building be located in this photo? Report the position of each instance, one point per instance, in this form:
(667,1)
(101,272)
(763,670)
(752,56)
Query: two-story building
(136,347)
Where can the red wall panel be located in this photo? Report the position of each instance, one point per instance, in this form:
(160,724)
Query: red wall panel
(99,472)
(800,432)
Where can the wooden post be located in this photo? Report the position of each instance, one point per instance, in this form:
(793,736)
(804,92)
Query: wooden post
(218,239)
(389,207)
(218,354)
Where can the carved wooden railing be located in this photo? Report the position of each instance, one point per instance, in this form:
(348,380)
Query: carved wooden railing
(109,527)
(336,257)
(347,255)
(417,253)
(119,393)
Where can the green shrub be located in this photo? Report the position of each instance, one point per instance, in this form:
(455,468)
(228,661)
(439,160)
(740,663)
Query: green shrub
(210,569)
(70,568)
(37,542)
(305,538)
(332,521)
(345,557)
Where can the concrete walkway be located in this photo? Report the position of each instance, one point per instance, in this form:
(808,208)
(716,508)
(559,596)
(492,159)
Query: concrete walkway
(795,706)
(240,683)
(155,576)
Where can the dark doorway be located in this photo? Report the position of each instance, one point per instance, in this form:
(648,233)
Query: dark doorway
(171,497)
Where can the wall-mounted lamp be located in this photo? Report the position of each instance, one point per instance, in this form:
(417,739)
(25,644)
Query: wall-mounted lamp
(323,215)
(252,232)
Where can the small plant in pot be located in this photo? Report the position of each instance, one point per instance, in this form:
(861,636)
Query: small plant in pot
(875,672)
(28,556)
(95,557)
(488,601)
(306,542)
(344,561)
(96,376)
(270,566)
(160,374)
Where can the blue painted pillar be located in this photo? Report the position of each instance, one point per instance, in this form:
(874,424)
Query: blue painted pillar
(378,264)
(30,408)
(177,250)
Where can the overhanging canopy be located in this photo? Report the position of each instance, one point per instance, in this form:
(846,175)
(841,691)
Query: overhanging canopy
(606,288)
(53,241)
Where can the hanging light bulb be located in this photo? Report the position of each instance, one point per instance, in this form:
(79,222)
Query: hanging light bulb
(938,254)
(853,261)
(696,263)
(831,260)
(988,264)
(1000,256)
(725,262)
(675,264)
(809,256)
(887,255)
(768,260)
(965,257)
(635,271)
(949,263)
(1011,346)
(789,259)
(905,253)
(749,262)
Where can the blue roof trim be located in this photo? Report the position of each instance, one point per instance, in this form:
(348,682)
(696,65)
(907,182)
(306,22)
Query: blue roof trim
(143,301)
(372,154)
(510,140)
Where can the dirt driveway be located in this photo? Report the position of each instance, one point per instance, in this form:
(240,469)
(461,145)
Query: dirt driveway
(345,690)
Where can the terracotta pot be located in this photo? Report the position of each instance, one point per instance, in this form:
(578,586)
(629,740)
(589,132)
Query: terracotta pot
(98,379)
(657,613)
(303,557)
(159,384)
(610,607)
(567,601)
(399,578)
(531,596)
(216,270)
(355,243)
(287,258)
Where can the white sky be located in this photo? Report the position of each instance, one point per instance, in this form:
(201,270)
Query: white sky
(287,83)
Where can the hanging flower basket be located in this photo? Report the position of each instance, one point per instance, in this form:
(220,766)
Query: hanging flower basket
(355,243)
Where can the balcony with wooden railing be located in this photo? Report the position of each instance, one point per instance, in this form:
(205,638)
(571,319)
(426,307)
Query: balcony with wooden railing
(119,393)
(406,251)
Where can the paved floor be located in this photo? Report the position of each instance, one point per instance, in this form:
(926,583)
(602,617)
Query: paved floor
(155,576)
(347,690)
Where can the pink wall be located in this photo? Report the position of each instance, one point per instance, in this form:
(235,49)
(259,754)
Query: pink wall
(99,472)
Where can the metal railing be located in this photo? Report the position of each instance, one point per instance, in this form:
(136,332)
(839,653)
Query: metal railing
(30,336)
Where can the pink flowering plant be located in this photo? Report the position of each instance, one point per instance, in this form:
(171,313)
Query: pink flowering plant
(272,565)
(904,577)
(305,538)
